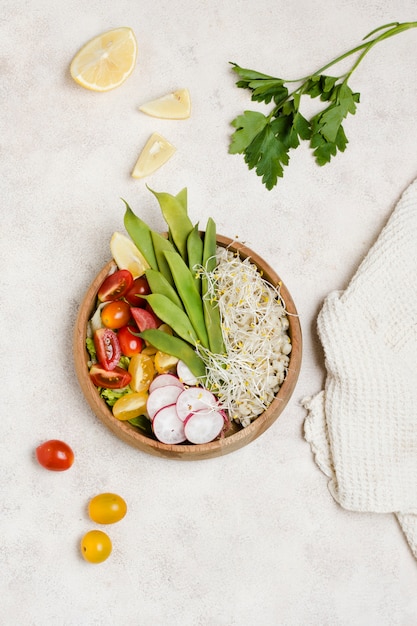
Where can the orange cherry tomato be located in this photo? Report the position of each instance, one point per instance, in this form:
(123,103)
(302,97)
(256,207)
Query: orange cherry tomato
(115,314)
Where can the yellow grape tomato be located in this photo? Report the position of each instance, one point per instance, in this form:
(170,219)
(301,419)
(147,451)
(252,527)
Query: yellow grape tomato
(142,371)
(96,546)
(107,508)
(164,362)
(130,405)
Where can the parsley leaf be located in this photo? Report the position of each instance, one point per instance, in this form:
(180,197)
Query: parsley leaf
(266,140)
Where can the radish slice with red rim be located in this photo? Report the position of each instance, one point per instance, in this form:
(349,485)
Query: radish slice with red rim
(167,426)
(160,397)
(165,379)
(203,426)
(185,375)
(193,399)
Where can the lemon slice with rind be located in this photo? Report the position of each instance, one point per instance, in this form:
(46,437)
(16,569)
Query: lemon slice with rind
(105,61)
(173,106)
(156,152)
(127,256)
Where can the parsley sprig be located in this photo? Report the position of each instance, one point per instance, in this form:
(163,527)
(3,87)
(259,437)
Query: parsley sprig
(266,140)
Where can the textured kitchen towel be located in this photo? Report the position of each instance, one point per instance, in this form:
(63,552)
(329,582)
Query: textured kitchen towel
(362,427)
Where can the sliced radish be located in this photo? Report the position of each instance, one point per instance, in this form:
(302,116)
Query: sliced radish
(165,379)
(203,426)
(185,375)
(160,397)
(167,426)
(193,399)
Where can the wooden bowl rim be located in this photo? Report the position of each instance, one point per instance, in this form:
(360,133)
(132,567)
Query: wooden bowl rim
(239,436)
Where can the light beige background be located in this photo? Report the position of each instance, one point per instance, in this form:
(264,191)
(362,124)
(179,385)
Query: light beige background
(254,538)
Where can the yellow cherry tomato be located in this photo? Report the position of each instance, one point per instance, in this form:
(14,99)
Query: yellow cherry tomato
(96,546)
(130,405)
(142,371)
(107,508)
(164,362)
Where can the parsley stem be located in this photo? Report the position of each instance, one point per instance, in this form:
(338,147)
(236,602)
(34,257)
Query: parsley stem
(397,28)
(366,46)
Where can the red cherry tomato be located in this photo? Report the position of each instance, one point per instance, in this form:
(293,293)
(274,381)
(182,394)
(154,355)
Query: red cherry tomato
(115,285)
(115,314)
(55,455)
(107,348)
(144,319)
(139,288)
(116,378)
(129,342)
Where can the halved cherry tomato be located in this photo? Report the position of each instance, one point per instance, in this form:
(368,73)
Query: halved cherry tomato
(139,288)
(129,342)
(115,314)
(116,378)
(115,285)
(144,319)
(142,371)
(55,455)
(107,348)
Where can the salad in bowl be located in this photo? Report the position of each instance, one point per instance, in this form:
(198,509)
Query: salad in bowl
(187,344)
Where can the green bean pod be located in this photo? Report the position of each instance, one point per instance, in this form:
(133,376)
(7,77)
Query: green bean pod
(212,316)
(182,197)
(172,315)
(140,233)
(195,255)
(162,245)
(176,347)
(191,299)
(159,284)
(176,217)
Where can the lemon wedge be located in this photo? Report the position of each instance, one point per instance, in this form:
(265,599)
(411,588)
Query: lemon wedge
(156,152)
(105,62)
(127,256)
(173,106)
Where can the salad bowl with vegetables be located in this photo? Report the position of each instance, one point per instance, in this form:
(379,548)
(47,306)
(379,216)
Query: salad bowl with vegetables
(187,344)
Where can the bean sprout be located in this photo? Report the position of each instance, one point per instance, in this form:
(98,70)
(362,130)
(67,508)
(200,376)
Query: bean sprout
(257,345)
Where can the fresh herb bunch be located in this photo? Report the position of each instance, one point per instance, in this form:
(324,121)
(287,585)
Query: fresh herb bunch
(266,140)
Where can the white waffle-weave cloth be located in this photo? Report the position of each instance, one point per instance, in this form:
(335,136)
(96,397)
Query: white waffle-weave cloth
(362,427)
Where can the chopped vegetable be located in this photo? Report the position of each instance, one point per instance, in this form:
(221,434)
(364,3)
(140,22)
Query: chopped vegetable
(203,426)
(266,140)
(160,397)
(167,426)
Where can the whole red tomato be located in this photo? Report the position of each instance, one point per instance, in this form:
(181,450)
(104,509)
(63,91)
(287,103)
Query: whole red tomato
(55,455)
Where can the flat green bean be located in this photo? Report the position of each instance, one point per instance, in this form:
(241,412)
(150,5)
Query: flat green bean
(159,284)
(191,299)
(212,316)
(176,347)
(182,197)
(176,217)
(140,233)
(172,315)
(195,255)
(162,245)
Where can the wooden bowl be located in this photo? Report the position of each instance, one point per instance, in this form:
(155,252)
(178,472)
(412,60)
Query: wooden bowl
(237,436)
